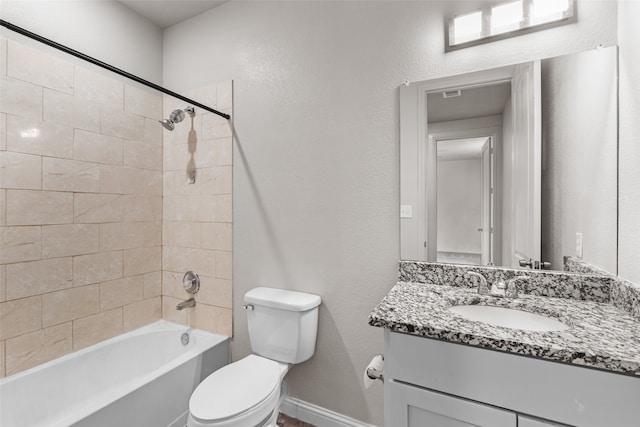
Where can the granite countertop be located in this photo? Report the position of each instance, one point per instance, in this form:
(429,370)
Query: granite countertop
(600,335)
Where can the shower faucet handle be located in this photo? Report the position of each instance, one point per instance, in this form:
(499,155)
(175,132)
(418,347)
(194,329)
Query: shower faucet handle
(191,282)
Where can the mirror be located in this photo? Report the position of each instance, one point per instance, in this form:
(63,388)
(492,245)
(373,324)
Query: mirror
(514,166)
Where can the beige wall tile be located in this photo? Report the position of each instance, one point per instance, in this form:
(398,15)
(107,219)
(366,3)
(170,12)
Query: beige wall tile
(151,233)
(172,285)
(95,86)
(215,208)
(224,265)
(112,179)
(69,304)
(122,124)
(142,313)
(183,234)
(20,244)
(216,180)
(117,293)
(36,66)
(95,268)
(3,207)
(142,101)
(215,126)
(153,183)
(142,260)
(215,291)
(19,170)
(99,327)
(3,131)
(142,208)
(176,208)
(202,261)
(28,207)
(181,186)
(3,283)
(153,132)
(29,350)
(72,239)
(20,98)
(121,235)
(70,175)
(170,313)
(123,180)
(217,235)
(97,148)
(97,208)
(213,319)
(223,149)
(2,359)
(152,284)
(20,316)
(139,154)
(33,136)
(26,279)
(70,111)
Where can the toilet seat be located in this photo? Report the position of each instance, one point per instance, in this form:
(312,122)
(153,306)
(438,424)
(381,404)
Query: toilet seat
(240,394)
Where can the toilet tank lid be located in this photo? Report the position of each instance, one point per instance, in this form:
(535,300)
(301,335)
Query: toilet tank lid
(282,299)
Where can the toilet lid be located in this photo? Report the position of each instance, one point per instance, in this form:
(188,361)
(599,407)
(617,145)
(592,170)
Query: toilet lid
(235,388)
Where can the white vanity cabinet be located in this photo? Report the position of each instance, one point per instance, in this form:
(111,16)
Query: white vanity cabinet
(433,383)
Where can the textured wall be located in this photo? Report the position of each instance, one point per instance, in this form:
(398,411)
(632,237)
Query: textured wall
(105,30)
(80,206)
(316,179)
(629,227)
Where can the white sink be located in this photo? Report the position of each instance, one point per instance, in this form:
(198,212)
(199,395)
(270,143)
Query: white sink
(509,318)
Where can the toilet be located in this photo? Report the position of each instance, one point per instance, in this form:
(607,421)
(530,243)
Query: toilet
(282,329)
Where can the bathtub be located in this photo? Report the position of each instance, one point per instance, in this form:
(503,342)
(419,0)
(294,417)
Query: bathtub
(143,378)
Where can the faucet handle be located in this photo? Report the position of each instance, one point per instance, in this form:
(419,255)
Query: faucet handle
(512,287)
(481,282)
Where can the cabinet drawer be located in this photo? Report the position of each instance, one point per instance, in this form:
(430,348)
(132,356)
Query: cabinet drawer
(410,406)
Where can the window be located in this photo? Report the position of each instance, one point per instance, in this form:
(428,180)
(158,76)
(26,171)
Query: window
(506,19)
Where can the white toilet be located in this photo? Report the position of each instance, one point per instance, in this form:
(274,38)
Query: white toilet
(282,329)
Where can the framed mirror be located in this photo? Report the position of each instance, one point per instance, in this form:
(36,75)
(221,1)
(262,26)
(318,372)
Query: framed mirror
(514,166)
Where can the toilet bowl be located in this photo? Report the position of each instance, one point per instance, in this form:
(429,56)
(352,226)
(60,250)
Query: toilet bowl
(244,393)
(247,393)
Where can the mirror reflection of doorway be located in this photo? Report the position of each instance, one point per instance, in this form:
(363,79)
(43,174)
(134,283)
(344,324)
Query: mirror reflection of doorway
(464,194)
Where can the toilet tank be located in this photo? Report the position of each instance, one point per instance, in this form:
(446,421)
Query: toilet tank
(283,324)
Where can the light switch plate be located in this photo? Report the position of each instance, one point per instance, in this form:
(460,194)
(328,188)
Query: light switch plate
(406,211)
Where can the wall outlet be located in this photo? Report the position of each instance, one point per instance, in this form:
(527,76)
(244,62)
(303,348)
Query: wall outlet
(579,245)
(406,211)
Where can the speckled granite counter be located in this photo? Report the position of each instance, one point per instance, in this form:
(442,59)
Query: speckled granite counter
(600,336)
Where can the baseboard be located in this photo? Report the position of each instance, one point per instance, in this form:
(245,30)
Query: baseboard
(316,415)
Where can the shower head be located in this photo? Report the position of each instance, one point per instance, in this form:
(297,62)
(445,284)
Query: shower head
(176,116)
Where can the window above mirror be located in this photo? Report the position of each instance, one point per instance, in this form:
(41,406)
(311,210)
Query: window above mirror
(506,19)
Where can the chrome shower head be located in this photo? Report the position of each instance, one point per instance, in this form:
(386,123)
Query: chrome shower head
(176,116)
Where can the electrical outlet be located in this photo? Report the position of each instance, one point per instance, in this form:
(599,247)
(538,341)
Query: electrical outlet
(579,245)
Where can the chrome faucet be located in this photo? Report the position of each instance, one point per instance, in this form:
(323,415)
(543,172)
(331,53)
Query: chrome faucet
(483,287)
(186,304)
(512,287)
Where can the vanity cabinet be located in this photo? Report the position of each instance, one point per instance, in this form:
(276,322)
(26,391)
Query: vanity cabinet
(434,383)
(412,406)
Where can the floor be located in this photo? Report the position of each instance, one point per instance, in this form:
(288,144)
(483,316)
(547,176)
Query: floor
(286,421)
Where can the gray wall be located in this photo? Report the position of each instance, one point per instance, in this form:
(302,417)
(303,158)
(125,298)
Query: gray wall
(316,179)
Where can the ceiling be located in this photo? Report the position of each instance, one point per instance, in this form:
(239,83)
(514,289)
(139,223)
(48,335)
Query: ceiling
(165,13)
(474,102)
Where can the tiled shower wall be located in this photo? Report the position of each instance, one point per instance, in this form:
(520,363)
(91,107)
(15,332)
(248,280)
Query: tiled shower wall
(197,216)
(81,209)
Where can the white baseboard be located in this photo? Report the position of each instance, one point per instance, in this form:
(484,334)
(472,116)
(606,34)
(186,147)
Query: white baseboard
(316,415)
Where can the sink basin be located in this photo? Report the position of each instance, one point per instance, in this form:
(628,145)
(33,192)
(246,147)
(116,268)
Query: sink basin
(509,318)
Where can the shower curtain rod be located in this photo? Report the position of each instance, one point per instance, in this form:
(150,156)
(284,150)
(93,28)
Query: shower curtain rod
(106,66)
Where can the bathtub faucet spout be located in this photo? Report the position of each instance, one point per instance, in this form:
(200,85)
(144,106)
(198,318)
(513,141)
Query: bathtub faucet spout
(186,304)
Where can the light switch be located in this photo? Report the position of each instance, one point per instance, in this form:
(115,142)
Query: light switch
(406,211)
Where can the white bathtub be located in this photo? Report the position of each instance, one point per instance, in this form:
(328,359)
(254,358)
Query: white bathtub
(143,378)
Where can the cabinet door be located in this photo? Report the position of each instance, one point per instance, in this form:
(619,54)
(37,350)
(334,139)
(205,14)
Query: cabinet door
(411,406)
(536,422)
